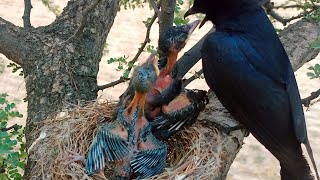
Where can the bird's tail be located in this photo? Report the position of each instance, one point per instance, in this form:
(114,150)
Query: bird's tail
(310,154)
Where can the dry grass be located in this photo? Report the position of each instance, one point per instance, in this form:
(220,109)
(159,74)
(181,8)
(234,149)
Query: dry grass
(193,152)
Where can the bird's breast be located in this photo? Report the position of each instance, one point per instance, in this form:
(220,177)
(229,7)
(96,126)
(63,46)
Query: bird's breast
(163,82)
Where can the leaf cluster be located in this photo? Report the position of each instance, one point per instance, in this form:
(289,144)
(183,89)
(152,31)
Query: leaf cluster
(12,145)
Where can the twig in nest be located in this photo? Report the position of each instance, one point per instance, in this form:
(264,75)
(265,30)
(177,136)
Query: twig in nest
(26,14)
(145,42)
(306,101)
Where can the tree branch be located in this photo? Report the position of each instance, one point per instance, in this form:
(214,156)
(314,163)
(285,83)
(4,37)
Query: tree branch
(297,38)
(269,7)
(191,57)
(26,14)
(166,14)
(306,101)
(192,78)
(12,45)
(134,60)
(155,7)
(112,84)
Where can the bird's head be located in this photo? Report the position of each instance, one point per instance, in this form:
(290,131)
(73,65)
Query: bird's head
(215,8)
(143,79)
(145,76)
(175,38)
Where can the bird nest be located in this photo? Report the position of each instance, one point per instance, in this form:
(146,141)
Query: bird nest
(198,152)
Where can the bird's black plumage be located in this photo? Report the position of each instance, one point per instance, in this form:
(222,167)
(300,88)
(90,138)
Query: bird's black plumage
(247,67)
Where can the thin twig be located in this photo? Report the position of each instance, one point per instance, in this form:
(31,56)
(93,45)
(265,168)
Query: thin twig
(270,10)
(284,21)
(192,78)
(283,6)
(133,61)
(155,7)
(306,101)
(26,14)
(112,84)
(83,21)
(15,127)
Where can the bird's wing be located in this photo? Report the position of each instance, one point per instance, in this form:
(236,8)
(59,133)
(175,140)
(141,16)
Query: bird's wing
(150,162)
(168,124)
(168,94)
(248,73)
(105,145)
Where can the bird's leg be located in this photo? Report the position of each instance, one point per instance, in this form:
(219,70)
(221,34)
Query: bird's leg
(72,157)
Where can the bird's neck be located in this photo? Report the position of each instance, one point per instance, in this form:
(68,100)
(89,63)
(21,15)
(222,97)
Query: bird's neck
(235,16)
(137,102)
(171,61)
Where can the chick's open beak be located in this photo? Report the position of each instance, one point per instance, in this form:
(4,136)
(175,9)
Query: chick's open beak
(193,26)
(154,61)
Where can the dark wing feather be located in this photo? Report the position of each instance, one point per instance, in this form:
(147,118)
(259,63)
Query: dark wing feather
(147,163)
(166,125)
(104,146)
(260,99)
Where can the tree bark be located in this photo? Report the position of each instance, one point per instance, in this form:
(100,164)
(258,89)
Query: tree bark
(59,69)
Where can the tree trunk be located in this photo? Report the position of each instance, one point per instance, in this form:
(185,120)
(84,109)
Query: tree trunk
(60,61)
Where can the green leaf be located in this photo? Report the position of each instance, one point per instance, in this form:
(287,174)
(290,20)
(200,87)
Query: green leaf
(23,155)
(2,100)
(310,74)
(315,44)
(5,149)
(4,134)
(311,68)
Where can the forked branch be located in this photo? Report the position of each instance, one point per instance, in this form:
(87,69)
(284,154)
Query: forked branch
(134,60)
(307,101)
(26,14)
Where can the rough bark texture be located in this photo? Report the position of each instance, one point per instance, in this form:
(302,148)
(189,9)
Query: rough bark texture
(296,39)
(166,14)
(58,71)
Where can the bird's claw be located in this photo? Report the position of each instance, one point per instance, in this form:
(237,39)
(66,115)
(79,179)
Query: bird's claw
(72,157)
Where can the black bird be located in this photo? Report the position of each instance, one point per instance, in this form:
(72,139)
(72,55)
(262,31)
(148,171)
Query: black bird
(128,141)
(247,67)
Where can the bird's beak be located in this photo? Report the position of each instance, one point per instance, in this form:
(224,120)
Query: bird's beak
(154,61)
(191,11)
(205,19)
(193,26)
(194,10)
